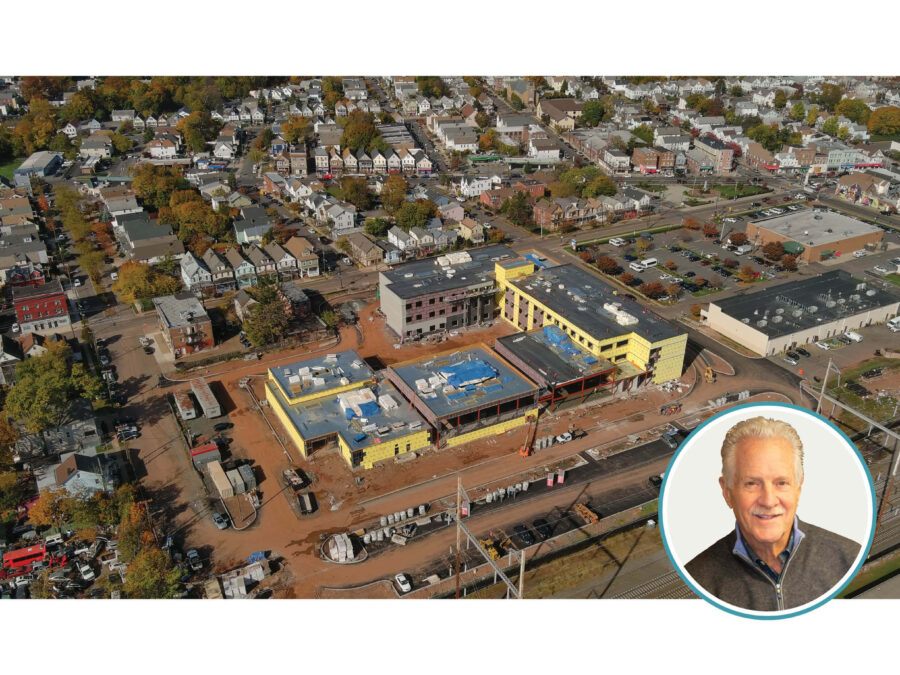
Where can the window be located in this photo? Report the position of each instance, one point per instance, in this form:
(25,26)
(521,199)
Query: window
(430,301)
(28,317)
(431,314)
(418,303)
(408,305)
(24,308)
(407,447)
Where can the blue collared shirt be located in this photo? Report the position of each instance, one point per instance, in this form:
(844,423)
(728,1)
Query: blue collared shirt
(743,549)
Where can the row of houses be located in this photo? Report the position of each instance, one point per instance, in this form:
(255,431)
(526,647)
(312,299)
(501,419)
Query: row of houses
(335,162)
(559,212)
(23,255)
(239,267)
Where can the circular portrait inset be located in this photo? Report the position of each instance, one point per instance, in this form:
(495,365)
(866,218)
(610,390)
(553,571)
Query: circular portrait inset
(767,510)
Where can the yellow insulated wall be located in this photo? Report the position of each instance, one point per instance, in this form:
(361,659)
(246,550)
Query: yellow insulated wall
(275,404)
(492,430)
(386,450)
(334,391)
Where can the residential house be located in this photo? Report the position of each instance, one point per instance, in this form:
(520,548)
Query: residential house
(364,250)
(285,263)
(185,325)
(254,223)
(391,254)
(80,435)
(305,255)
(84,476)
(401,239)
(41,309)
(263,264)
(473,186)
(194,274)
(244,270)
(162,148)
(10,355)
(96,145)
(471,230)
(343,219)
(220,271)
(452,211)
(296,300)
(243,301)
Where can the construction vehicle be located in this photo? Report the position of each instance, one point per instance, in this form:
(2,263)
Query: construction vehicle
(586,514)
(530,433)
(493,550)
(709,374)
(670,409)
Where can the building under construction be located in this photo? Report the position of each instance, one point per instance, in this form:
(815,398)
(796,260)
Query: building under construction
(466,394)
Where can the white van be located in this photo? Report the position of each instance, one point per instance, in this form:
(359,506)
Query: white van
(894,324)
(636,266)
(649,263)
(54,540)
(856,337)
(617,241)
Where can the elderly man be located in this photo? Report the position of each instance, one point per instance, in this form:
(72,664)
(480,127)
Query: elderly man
(771,561)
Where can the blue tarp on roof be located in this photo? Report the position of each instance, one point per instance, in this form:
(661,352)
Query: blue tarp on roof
(349,413)
(554,335)
(368,409)
(466,373)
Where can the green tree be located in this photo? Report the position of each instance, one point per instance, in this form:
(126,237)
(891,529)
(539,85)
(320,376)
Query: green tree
(843,133)
(830,126)
(267,323)
(517,210)
(198,128)
(168,265)
(343,245)
(854,109)
(295,129)
(377,227)
(829,98)
(812,115)
(356,191)
(151,576)
(644,132)
(393,193)
(798,111)
(360,132)
(515,102)
(780,99)
(12,492)
(415,214)
(330,319)
(121,144)
(592,113)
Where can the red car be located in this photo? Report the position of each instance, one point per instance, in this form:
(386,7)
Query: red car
(786,199)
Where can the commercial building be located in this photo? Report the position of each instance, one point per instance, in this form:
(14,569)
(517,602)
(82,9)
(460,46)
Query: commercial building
(39,164)
(800,312)
(814,235)
(643,346)
(442,293)
(466,394)
(721,155)
(185,325)
(336,402)
(41,309)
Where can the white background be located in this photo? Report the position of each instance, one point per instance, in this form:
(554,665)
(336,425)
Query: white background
(417,37)
(836,493)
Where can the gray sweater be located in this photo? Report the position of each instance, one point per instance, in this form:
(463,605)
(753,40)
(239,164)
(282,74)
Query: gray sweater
(817,563)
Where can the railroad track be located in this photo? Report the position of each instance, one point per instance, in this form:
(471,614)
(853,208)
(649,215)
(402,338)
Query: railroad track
(665,586)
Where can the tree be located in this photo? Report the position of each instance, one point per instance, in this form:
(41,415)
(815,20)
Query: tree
(377,227)
(627,278)
(198,128)
(151,576)
(518,210)
(773,250)
(644,132)
(356,191)
(393,193)
(168,265)
(710,230)
(798,111)
(121,144)
(140,281)
(854,109)
(730,263)
(812,115)
(843,133)
(643,244)
(789,262)
(488,140)
(830,126)
(738,238)
(515,102)
(671,265)
(343,245)
(829,98)
(330,319)
(360,132)
(482,120)
(608,265)
(673,290)
(267,323)
(295,129)
(52,509)
(747,273)
(652,290)
(691,223)
(155,184)
(415,214)
(586,256)
(885,121)
(780,99)
(701,282)
(12,491)
(592,113)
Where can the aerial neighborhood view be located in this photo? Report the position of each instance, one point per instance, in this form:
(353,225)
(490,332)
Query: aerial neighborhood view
(406,337)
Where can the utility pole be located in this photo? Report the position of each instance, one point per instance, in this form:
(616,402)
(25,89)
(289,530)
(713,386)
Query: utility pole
(459,491)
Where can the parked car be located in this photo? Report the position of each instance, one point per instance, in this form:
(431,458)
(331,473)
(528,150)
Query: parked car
(220,521)
(670,439)
(823,345)
(792,357)
(222,426)
(404,582)
(690,274)
(524,534)
(543,527)
(656,480)
(194,561)
(880,269)
(802,352)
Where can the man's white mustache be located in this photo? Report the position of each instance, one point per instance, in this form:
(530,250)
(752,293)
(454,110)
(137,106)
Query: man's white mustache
(763,512)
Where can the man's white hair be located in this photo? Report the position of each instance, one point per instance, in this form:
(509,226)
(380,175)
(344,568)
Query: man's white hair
(760,427)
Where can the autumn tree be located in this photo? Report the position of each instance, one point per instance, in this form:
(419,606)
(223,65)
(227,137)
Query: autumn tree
(773,250)
(673,290)
(12,491)
(356,191)
(152,576)
(198,128)
(140,281)
(798,111)
(885,121)
(608,265)
(121,144)
(652,290)
(789,262)
(730,263)
(701,281)
(738,238)
(52,509)
(360,132)
(643,244)
(343,245)
(295,129)
(812,115)
(691,223)
(671,265)
(627,278)
(747,273)
(854,109)
(393,193)
(710,230)
(155,184)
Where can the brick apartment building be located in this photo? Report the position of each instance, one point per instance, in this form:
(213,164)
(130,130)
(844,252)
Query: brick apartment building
(185,324)
(41,309)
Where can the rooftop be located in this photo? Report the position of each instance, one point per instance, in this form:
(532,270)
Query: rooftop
(591,305)
(454,382)
(180,309)
(429,276)
(554,355)
(815,228)
(29,292)
(363,417)
(800,305)
(322,373)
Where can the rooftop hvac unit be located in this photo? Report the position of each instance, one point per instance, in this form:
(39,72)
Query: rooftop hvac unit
(561,287)
(855,297)
(777,319)
(812,309)
(841,301)
(746,319)
(830,304)
(762,323)
(287,372)
(408,275)
(780,310)
(870,292)
(797,313)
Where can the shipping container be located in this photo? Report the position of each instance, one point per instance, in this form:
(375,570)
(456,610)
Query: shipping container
(206,398)
(234,477)
(248,477)
(204,454)
(184,405)
(219,479)
(307,502)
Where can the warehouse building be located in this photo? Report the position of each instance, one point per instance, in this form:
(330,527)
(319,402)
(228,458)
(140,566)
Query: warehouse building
(443,293)
(466,394)
(782,317)
(643,346)
(39,164)
(814,235)
(336,402)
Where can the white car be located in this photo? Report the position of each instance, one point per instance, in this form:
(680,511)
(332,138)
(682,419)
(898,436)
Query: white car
(861,253)
(880,269)
(730,220)
(822,345)
(564,437)
(403,582)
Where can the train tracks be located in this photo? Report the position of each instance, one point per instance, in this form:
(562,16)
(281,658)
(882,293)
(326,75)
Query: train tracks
(668,586)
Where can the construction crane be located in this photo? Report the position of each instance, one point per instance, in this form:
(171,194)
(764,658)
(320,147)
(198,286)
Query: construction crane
(709,374)
(530,433)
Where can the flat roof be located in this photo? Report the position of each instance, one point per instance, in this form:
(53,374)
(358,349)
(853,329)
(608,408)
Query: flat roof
(419,277)
(180,309)
(554,355)
(323,416)
(580,297)
(816,228)
(800,305)
(319,374)
(436,382)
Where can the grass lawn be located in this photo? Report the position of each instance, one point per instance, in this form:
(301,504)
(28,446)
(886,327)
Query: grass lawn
(893,278)
(884,570)
(6,170)
(732,190)
(706,291)
(650,187)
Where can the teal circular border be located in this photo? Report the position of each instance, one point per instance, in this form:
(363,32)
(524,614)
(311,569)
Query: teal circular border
(711,599)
